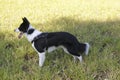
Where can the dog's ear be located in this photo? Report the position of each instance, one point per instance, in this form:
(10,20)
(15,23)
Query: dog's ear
(25,20)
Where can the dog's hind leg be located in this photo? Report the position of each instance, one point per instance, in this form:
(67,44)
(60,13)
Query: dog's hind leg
(75,54)
(80,58)
(75,58)
(41,58)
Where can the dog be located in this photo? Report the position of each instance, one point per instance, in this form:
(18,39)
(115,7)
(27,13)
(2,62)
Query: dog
(44,42)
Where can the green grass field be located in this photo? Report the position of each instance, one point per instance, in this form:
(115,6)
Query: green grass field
(93,21)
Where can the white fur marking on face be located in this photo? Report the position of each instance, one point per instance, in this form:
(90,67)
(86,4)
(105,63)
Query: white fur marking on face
(17,30)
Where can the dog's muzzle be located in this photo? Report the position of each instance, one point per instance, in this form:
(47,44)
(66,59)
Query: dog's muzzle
(21,33)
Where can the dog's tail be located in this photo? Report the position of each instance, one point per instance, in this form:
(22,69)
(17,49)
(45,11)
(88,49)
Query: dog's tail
(84,48)
(87,48)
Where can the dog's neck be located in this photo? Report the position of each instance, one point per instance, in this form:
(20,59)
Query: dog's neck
(32,33)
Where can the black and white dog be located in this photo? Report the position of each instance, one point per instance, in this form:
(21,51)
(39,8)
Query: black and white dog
(44,42)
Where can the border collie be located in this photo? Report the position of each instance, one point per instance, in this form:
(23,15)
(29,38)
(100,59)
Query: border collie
(44,42)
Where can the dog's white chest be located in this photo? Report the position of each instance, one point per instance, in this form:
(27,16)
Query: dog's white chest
(30,37)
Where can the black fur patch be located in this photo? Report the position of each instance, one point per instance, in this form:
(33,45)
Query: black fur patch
(30,31)
(65,39)
(24,26)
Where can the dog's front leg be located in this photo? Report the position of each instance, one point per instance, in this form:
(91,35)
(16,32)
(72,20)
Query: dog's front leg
(41,58)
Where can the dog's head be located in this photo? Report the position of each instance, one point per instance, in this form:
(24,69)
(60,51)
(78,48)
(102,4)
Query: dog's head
(23,28)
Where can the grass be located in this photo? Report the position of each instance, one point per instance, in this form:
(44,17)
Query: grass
(93,21)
